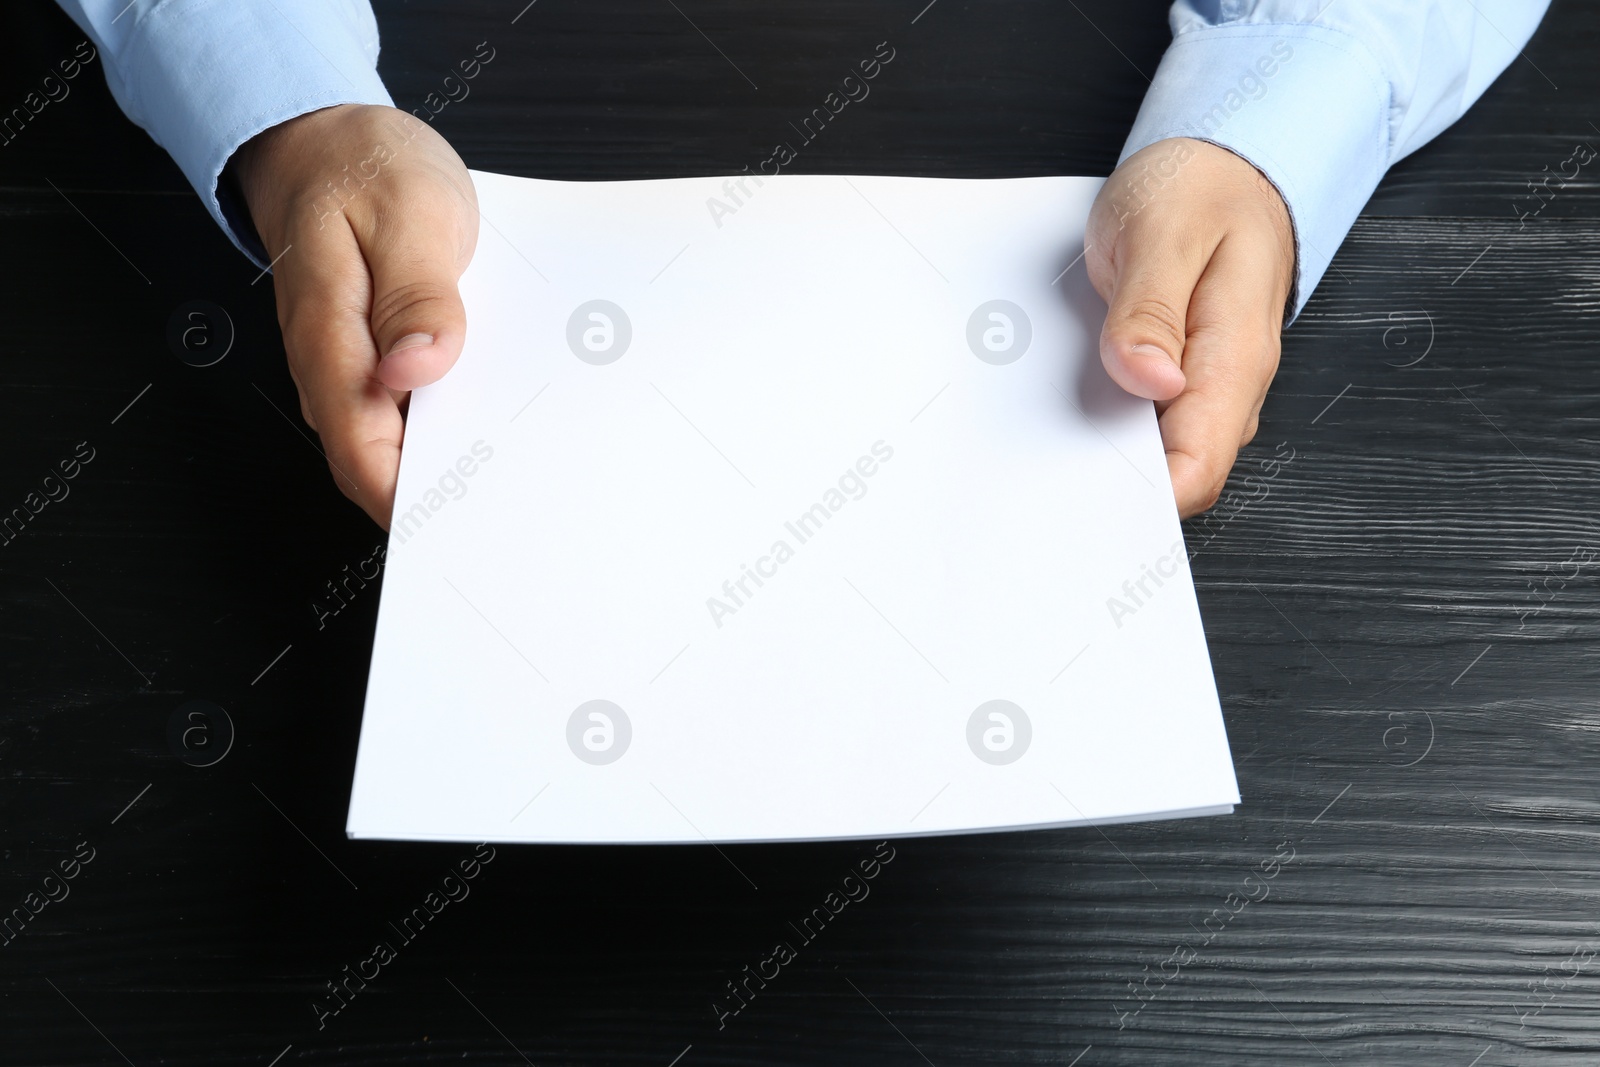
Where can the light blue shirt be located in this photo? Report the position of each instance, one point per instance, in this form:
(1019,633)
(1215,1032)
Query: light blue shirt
(204,76)
(1324,96)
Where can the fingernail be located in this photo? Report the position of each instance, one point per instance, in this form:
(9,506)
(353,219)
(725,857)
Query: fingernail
(412,340)
(1161,378)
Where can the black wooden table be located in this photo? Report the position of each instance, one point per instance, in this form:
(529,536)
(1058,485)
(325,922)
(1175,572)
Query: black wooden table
(1404,627)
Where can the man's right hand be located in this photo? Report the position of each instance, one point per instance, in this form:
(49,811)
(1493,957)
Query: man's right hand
(370,217)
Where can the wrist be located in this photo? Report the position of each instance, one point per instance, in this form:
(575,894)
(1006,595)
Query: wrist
(1242,184)
(264,167)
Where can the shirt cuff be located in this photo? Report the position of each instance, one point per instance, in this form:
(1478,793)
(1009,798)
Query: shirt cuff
(205,76)
(1307,106)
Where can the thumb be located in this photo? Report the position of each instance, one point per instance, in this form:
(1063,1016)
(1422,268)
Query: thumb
(1143,340)
(418,322)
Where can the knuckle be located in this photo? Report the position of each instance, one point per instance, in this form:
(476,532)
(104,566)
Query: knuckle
(314,327)
(1274,354)
(410,301)
(1154,315)
(337,471)
(1201,478)
(1216,465)
(1102,272)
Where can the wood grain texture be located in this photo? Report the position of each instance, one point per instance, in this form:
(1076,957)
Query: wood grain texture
(1406,656)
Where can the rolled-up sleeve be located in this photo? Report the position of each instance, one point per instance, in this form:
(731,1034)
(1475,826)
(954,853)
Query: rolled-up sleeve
(204,76)
(1324,98)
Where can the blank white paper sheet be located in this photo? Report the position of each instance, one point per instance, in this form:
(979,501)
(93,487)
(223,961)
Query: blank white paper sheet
(796,510)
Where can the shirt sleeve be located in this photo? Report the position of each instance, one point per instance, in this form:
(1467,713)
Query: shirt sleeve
(1324,97)
(204,76)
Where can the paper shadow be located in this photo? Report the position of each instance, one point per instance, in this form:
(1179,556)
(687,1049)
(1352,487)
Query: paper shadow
(1090,387)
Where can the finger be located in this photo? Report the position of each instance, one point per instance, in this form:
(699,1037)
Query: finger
(325,297)
(417,319)
(1229,360)
(1143,342)
(300,390)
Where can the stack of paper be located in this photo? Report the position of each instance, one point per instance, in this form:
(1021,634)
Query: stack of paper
(813,518)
